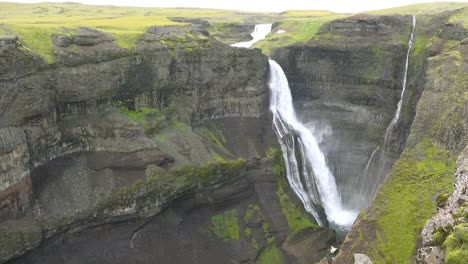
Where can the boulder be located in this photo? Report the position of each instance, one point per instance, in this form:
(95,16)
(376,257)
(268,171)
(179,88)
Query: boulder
(361,259)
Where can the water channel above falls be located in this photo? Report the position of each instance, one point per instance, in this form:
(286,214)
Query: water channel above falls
(307,168)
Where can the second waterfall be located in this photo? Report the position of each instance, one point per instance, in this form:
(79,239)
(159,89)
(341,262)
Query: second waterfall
(306,165)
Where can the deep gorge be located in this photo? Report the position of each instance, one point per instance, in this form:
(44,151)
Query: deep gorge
(166,152)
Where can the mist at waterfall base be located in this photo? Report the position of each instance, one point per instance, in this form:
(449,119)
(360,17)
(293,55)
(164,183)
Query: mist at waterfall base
(307,169)
(306,166)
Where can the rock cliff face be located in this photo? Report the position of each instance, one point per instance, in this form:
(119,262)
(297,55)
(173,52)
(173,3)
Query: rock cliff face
(65,143)
(347,81)
(388,232)
(452,214)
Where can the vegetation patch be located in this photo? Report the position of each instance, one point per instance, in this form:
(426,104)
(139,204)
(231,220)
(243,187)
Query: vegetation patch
(440,236)
(441,199)
(163,186)
(35,24)
(416,9)
(225,225)
(215,136)
(457,245)
(150,118)
(297,30)
(271,255)
(16,240)
(409,196)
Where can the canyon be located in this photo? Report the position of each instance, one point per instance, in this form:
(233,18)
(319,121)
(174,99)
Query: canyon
(168,151)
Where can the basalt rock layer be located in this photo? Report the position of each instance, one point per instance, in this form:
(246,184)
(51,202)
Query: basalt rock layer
(65,141)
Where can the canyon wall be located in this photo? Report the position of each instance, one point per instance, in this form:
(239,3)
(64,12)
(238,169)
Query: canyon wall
(389,231)
(66,139)
(346,83)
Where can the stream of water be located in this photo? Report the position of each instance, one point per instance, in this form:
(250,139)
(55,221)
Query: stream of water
(367,183)
(259,33)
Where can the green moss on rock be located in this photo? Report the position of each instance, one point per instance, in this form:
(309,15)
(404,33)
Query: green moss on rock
(441,199)
(225,225)
(271,255)
(145,196)
(457,245)
(406,201)
(150,118)
(440,235)
(17,240)
(253,214)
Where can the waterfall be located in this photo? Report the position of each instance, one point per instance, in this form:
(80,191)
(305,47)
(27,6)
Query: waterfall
(396,118)
(259,33)
(368,186)
(306,167)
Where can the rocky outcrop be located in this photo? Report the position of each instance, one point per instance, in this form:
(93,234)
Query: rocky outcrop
(364,25)
(361,259)
(8,43)
(227,211)
(451,213)
(232,32)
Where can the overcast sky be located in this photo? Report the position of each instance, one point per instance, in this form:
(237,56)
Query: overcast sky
(346,6)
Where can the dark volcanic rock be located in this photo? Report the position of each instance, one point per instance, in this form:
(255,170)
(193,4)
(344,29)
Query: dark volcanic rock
(64,144)
(8,43)
(365,25)
(453,31)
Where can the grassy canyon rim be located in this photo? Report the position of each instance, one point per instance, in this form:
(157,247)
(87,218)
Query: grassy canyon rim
(36,24)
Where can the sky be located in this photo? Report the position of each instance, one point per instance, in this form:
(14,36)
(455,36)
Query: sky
(343,6)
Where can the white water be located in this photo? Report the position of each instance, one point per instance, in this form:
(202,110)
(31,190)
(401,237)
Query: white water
(306,166)
(396,118)
(368,187)
(259,33)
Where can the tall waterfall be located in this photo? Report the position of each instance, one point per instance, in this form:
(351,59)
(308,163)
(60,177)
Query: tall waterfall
(306,167)
(396,118)
(259,33)
(368,184)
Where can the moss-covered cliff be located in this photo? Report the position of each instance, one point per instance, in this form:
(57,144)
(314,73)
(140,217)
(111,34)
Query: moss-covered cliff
(389,231)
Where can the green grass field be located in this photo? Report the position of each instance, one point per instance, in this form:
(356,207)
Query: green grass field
(35,24)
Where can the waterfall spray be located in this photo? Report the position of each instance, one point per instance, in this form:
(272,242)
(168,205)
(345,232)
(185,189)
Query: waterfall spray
(306,167)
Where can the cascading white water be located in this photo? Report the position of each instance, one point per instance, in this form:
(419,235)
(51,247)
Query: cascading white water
(396,118)
(368,187)
(259,33)
(306,166)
